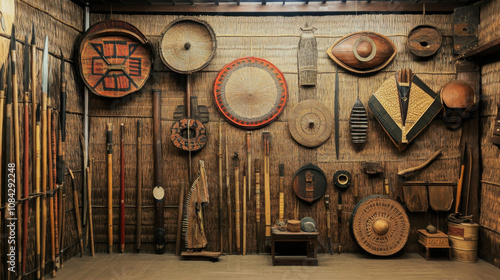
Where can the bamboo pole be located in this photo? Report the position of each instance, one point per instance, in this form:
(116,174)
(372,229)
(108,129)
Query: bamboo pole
(76,206)
(139,187)
(244,245)
(229,208)
(219,154)
(236,165)
(267,186)
(51,187)
(122,188)
(249,163)
(257,203)
(89,194)
(109,151)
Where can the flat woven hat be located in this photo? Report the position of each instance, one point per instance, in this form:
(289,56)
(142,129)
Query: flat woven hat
(310,123)
(188,45)
(250,92)
(379,225)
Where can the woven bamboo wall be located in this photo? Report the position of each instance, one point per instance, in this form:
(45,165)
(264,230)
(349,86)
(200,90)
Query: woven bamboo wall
(275,39)
(61,21)
(490,194)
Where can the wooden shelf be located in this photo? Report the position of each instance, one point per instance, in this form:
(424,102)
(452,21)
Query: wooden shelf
(484,54)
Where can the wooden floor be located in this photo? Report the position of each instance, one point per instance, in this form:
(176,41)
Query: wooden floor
(344,266)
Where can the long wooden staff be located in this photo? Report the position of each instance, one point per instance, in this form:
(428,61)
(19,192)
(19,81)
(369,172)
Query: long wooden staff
(36,146)
(229,208)
(55,264)
(17,141)
(328,224)
(244,211)
(26,190)
(61,165)
(9,160)
(236,166)
(139,187)
(257,203)
(122,188)
(43,115)
(51,186)
(249,163)
(76,205)
(25,183)
(2,105)
(267,186)
(460,179)
(281,216)
(219,154)
(89,194)
(158,191)
(109,152)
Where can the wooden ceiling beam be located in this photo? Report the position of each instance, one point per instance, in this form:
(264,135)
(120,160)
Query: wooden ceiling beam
(331,7)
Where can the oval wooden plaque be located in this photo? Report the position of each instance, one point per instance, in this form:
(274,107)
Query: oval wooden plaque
(114,58)
(363,52)
(309,183)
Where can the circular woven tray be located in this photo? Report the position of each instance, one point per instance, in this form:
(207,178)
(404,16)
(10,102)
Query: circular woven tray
(250,92)
(380,225)
(188,45)
(310,123)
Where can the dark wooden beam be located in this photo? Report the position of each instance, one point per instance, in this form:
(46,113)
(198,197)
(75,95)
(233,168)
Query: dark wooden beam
(331,7)
(484,54)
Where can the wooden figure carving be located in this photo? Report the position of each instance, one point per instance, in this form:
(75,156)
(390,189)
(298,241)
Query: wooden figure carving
(404,105)
(309,183)
(114,58)
(193,225)
(363,52)
(307,57)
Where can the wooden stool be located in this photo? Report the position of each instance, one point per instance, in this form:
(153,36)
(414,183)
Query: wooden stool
(438,240)
(285,236)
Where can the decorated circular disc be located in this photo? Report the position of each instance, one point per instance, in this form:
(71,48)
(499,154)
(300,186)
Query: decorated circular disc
(115,59)
(250,92)
(424,40)
(188,45)
(197,135)
(380,225)
(310,123)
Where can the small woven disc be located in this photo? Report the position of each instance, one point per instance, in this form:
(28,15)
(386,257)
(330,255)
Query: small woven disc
(380,225)
(250,92)
(310,123)
(188,45)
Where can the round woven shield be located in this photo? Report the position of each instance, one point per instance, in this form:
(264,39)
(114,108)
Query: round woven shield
(188,45)
(380,225)
(250,92)
(114,58)
(310,123)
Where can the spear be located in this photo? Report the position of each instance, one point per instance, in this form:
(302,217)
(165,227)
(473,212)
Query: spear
(17,142)
(2,105)
(43,115)
(9,159)
(36,147)
(26,84)
(51,185)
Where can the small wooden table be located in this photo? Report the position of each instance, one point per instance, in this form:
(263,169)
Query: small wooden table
(285,236)
(438,240)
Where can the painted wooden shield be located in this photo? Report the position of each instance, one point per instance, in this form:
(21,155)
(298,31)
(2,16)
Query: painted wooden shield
(309,183)
(363,52)
(250,92)
(115,58)
(404,105)
(379,225)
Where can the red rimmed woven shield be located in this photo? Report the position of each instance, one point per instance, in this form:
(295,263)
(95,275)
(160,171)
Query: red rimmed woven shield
(115,58)
(250,92)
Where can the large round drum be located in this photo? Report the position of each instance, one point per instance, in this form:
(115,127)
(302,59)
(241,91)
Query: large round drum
(250,92)
(379,225)
(115,58)
(188,45)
